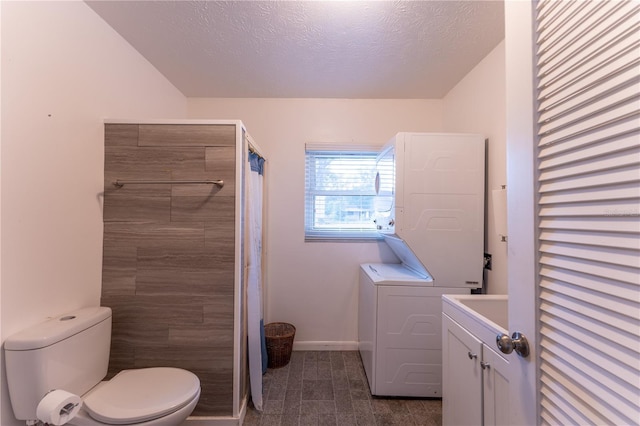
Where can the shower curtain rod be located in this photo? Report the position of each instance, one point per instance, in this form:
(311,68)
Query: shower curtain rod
(255,151)
(120,183)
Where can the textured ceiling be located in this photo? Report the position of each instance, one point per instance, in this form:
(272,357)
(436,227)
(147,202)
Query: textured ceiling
(309,49)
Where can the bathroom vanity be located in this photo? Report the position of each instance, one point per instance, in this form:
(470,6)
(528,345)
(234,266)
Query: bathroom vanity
(475,373)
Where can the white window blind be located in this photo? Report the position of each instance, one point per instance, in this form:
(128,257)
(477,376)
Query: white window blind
(588,62)
(340,192)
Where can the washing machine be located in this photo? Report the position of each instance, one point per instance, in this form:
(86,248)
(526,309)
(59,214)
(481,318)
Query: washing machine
(400,327)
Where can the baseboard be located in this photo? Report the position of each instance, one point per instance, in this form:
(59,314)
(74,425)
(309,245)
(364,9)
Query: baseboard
(217,421)
(324,346)
(211,421)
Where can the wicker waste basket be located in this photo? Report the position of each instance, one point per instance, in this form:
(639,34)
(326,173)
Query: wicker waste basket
(279,338)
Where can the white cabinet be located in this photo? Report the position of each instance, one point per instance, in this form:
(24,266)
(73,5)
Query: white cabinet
(475,384)
(495,388)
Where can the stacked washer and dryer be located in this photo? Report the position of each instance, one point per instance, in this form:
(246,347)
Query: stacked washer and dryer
(430,211)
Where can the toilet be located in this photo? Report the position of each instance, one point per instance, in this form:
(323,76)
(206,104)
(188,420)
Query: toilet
(71,353)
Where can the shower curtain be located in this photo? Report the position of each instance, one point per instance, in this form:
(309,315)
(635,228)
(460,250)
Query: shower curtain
(257,345)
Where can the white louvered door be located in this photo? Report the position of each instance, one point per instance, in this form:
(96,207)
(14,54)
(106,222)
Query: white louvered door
(588,66)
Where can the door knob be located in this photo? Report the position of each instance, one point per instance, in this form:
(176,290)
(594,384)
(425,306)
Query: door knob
(517,342)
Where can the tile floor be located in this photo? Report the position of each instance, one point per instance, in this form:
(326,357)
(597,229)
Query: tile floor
(330,388)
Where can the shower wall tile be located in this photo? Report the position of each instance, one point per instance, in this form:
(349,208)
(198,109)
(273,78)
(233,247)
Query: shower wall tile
(218,309)
(119,267)
(150,282)
(129,208)
(220,234)
(120,135)
(201,209)
(208,190)
(202,361)
(169,252)
(166,310)
(221,159)
(121,357)
(215,398)
(219,165)
(136,190)
(140,334)
(186,135)
(145,161)
(170,235)
(215,335)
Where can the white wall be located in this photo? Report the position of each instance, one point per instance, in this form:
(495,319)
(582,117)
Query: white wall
(477,105)
(314,285)
(63,71)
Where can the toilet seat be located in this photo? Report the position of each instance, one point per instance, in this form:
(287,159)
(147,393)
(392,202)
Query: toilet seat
(135,396)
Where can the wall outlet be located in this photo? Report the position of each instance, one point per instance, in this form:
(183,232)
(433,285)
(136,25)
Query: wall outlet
(487,261)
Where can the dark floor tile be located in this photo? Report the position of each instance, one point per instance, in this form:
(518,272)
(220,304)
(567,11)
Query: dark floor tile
(317,390)
(337,361)
(292,401)
(326,420)
(324,370)
(340,380)
(331,388)
(429,419)
(324,356)
(295,380)
(358,384)
(280,375)
(276,392)
(308,420)
(363,419)
(384,406)
(273,406)
(317,407)
(346,419)
(343,401)
(289,420)
(270,420)
(433,405)
(394,419)
(252,417)
(310,370)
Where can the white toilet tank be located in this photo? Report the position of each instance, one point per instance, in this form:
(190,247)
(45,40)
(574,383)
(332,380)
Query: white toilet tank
(69,352)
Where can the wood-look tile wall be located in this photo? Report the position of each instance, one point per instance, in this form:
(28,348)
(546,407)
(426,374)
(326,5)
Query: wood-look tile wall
(168,262)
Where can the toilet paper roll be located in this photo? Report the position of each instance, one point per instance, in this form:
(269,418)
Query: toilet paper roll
(58,407)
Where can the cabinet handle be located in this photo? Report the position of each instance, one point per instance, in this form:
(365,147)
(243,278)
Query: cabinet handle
(472,355)
(485,365)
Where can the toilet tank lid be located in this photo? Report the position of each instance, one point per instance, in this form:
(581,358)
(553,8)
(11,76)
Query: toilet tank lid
(56,329)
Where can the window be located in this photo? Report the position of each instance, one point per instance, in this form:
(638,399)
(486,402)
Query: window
(340,192)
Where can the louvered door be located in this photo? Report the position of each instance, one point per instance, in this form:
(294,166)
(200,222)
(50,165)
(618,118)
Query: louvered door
(588,64)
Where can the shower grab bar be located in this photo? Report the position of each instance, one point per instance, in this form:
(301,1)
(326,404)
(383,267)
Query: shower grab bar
(120,183)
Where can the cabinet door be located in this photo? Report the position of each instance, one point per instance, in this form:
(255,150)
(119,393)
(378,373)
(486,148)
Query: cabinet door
(462,376)
(495,388)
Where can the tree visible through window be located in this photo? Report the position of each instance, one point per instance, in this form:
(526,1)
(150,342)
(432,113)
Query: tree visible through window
(340,193)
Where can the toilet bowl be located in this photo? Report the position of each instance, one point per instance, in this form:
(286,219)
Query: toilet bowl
(70,353)
(159,396)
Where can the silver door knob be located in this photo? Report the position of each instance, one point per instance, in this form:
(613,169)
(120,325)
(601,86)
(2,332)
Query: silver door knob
(517,342)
